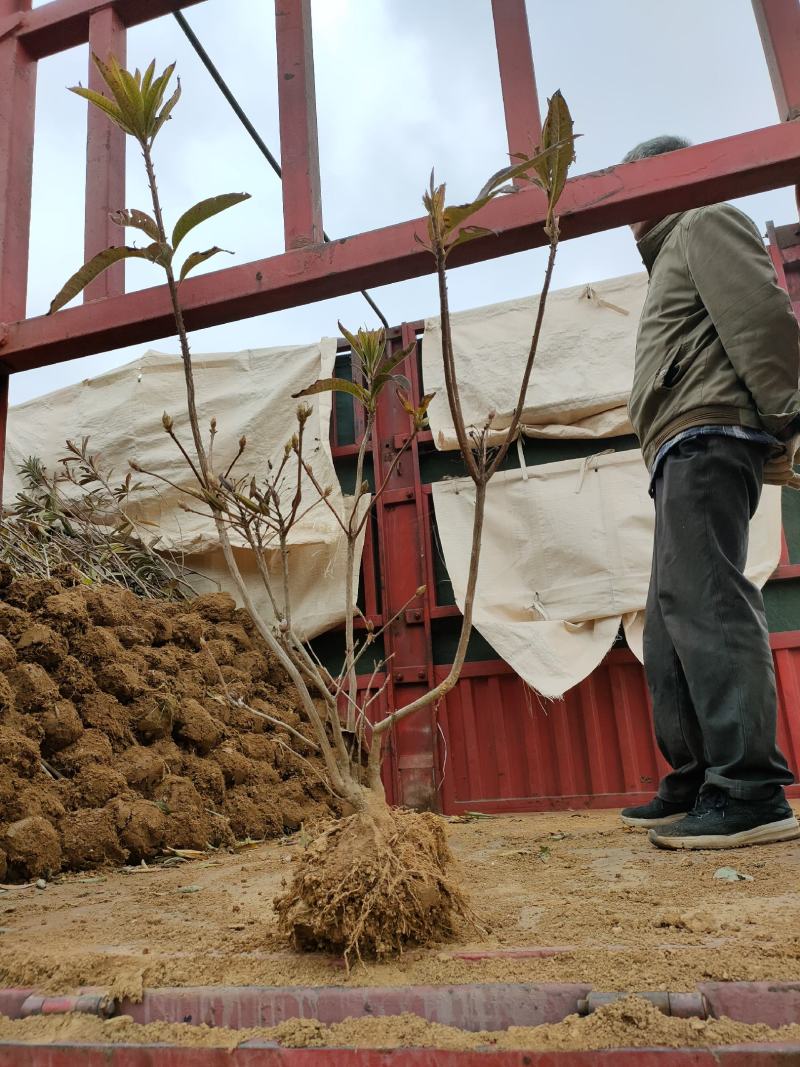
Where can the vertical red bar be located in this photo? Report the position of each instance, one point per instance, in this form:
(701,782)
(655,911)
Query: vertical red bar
(17,106)
(779,25)
(3,417)
(105,160)
(297,106)
(517,78)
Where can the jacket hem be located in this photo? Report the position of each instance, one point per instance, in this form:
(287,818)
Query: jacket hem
(710,416)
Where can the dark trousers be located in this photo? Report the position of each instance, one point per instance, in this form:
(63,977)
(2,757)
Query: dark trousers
(706,644)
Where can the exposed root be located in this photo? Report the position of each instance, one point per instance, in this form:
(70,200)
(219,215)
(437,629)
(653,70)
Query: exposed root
(372,884)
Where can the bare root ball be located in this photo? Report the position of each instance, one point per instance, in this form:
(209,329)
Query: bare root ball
(371,885)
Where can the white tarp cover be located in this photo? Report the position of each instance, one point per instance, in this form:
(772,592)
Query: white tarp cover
(566,546)
(250,393)
(583,369)
(566,558)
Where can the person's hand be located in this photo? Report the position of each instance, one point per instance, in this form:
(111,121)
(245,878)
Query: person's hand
(780,470)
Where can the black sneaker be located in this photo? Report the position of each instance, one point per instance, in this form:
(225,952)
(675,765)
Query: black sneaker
(657,813)
(721,821)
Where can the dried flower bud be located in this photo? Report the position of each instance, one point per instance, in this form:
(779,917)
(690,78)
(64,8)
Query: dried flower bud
(134,465)
(214,424)
(166,422)
(242,443)
(304,412)
(421,591)
(295,441)
(370,625)
(491,416)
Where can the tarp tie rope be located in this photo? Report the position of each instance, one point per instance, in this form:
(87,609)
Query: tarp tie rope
(523,466)
(588,463)
(591,294)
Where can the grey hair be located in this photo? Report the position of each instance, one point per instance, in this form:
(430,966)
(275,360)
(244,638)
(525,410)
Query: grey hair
(656,146)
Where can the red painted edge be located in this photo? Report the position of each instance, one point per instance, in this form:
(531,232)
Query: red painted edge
(255,1054)
(513,953)
(774,1003)
(487,1006)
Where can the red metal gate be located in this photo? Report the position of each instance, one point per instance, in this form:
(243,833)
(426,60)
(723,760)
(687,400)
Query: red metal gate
(493,744)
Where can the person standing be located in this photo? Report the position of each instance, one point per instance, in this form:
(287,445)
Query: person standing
(715,405)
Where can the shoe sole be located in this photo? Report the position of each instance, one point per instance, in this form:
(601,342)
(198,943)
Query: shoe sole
(770,833)
(645,824)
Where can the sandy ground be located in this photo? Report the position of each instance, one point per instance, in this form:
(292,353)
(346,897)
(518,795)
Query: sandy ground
(633,917)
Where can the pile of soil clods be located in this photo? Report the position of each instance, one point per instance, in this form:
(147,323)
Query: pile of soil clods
(116,737)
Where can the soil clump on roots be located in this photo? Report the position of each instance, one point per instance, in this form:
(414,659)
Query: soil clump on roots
(372,884)
(118,739)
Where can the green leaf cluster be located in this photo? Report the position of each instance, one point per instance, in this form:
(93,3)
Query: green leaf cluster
(136,105)
(546,168)
(375,370)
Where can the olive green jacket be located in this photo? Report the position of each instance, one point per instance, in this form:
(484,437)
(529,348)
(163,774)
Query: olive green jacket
(718,343)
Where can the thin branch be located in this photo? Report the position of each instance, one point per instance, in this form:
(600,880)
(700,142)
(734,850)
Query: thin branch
(448,360)
(323,494)
(436,694)
(500,455)
(352,681)
(286,662)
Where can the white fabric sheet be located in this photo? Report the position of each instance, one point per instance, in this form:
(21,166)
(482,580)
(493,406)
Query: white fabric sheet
(566,558)
(250,393)
(583,369)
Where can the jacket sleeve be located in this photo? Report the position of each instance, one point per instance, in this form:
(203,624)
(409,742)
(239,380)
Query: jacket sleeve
(752,314)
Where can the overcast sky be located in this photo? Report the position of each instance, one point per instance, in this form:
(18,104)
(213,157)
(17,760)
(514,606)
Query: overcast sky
(402,85)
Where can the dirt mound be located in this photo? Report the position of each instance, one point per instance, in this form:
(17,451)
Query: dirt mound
(371,885)
(117,740)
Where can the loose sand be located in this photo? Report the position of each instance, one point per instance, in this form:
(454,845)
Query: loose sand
(635,918)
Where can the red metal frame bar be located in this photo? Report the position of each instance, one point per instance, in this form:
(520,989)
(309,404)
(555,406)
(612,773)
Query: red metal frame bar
(779,25)
(258,1054)
(105,160)
(517,77)
(64,24)
(302,201)
(17,108)
(732,166)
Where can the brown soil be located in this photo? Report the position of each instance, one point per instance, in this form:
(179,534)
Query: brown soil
(372,884)
(630,1023)
(121,700)
(631,917)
